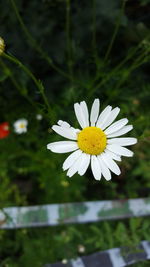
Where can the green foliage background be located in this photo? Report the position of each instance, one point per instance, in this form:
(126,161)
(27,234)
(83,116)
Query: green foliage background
(59,52)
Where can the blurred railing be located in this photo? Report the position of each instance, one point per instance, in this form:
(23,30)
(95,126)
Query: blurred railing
(84,212)
(115,257)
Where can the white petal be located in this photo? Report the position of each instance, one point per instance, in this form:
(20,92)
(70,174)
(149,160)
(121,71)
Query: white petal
(105,171)
(59,122)
(21,130)
(75,130)
(85,161)
(20,121)
(65,132)
(63,146)
(113,155)
(71,159)
(112,116)
(111,164)
(116,126)
(95,166)
(122,131)
(126,141)
(85,112)
(63,124)
(24,121)
(122,151)
(80,115)
(74,168)
(103,116)
(94,111)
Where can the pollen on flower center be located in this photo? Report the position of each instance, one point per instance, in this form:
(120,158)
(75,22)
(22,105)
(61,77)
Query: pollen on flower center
(92,140)
(22,125)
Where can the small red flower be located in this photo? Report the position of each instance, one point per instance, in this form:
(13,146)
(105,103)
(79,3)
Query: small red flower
(4,130)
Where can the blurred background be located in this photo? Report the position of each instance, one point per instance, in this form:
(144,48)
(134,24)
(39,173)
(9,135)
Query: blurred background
(57,53)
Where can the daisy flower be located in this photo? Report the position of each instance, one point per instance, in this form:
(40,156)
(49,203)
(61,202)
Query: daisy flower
(96,143)
(20,126)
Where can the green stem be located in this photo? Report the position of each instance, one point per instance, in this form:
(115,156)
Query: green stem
(68,38)
(94,29)
(31,75)
(136,64)
(115,31)
(22,91)
(35,44)
(115,69)
(108,76)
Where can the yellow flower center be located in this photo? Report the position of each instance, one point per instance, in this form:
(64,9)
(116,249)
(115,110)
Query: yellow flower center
(22,125)
(92,140)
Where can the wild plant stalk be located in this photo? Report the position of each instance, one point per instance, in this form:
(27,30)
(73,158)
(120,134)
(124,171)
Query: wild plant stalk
(98,73)
(131,55)
(37,82)
(129,70)
(136,63)
(115,31)
(35,44)
(21,90)
(94,44)
(95,84)
(68,39)
(115,70)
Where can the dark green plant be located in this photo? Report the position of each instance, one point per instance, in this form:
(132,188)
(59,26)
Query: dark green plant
(57,53)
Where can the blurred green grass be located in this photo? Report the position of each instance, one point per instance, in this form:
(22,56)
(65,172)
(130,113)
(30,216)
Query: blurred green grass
(79,51)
